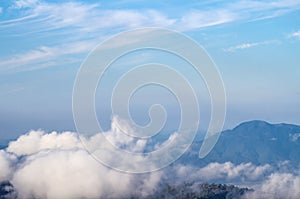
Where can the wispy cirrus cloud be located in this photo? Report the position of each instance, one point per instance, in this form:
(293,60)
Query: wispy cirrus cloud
(91,17)
(82,17)
(238,11)
(201,19)
(43,56)
(255,10)
(241,46)
(49,16)
(250,45)
(69,22)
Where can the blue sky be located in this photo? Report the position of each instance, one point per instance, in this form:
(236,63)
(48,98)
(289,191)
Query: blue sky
(255,45)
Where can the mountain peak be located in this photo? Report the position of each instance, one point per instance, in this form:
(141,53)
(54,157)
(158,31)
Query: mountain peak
(253,124)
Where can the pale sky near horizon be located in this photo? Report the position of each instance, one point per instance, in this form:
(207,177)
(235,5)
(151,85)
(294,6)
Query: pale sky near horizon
(255,45)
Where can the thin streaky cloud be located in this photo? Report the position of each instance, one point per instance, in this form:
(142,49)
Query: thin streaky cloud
(88,18)
(91,17)
(12,22)
(201,19)
(241,46)
(257,10)
(25,3)
(58,14)
(44,54)
(264,6)
(74,21)
(249,45)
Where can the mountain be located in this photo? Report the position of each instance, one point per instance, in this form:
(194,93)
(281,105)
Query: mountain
(4,143)
(183,190)
(258,142)
(199,191)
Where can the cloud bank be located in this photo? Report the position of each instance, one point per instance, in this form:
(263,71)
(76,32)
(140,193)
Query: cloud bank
(227,172)
(56,165)
(278,185)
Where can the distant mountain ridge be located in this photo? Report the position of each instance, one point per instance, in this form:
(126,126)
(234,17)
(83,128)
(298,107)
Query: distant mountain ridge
(255,141)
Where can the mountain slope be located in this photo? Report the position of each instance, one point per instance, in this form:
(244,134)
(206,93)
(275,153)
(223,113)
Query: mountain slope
(256,141)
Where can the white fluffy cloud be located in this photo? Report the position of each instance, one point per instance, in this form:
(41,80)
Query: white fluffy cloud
(223,171)
(73,174)
(295,34)
(278,185)
(267,182)
(36,141)
(56,165)
(7,162)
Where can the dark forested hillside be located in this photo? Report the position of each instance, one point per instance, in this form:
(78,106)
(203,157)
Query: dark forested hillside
(199,191)
(182,191)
